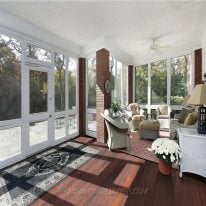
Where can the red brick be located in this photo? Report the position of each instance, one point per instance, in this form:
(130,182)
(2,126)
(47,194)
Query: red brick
(130,83)
(102,98)
(198,66)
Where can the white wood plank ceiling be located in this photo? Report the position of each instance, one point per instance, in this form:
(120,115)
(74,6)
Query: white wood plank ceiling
(128,26)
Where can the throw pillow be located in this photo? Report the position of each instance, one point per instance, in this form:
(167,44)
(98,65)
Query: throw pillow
(184,113)
(191,118)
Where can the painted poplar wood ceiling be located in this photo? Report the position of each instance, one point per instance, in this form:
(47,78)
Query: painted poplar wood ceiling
(128,27)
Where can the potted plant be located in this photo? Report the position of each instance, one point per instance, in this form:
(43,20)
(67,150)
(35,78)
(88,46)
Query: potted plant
(115,106)
(168,152)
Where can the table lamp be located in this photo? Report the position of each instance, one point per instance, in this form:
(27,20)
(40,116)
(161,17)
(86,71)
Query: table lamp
(198,97)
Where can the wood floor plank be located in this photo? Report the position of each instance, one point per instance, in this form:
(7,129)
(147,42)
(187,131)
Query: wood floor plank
(114,178)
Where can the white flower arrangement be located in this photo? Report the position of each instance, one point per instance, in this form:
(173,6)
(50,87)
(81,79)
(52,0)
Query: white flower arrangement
(167,150)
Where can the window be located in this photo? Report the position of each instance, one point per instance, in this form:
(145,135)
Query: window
(92,83)
(118,81)
(159,82)
(60,66)
(141,84)
(124,82)
(180,78)
(38,53)
(10,78)
(72,82)
(38,91)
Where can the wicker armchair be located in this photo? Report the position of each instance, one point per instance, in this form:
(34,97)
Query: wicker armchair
(135,116)
(118,134)
(163,112)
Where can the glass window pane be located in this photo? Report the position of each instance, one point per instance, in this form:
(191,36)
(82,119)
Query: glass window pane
(118,81)
(72,124)
(92,83)
(91,121)
(38,132)
(141,84)
(60,127)
(124,85)
(159,82)
(60,65)
(180,78)
(115,79)
(10,78)
(38,53)
(10,142)
(38,91)
(72,82)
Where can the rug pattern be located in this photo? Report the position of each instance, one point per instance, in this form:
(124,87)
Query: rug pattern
(24,182)
(140,148)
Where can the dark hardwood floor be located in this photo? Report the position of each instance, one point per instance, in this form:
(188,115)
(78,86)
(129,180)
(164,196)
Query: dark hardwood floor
(113,178)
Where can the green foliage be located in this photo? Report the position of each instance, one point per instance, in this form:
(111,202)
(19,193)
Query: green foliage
(116,106)
(159,82)
(141,84)
(38,91)
(72,90)
(10,79)
(92,83)
(179,81)
(59,82)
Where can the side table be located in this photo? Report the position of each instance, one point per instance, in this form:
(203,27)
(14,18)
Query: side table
(193,147)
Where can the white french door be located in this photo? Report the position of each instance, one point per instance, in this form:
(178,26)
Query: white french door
(40,109)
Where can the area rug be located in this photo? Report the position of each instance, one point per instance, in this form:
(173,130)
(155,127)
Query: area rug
(140,148)
(24,182)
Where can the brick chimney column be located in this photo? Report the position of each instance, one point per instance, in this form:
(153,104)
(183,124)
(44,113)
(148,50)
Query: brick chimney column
(102,98)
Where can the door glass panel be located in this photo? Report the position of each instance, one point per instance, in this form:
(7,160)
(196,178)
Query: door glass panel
(72,124)
(60,127)
(38,91)
(10,78)
(92,121)
(38,132)
(10,142)
(60,66)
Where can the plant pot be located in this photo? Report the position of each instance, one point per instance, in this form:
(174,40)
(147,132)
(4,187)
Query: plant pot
(164,168)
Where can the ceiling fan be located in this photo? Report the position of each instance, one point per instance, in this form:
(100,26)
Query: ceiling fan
(156,48)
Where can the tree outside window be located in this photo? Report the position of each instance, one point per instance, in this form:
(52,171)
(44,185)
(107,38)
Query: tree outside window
(159,82)
(180,78)
(141,84)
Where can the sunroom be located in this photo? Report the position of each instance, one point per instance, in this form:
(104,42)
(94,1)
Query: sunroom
(63,63)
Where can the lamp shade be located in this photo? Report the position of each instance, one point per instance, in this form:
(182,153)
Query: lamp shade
(198,96)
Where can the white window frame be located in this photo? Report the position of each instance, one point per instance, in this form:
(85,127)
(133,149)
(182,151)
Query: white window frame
(23,121)
(149,106)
